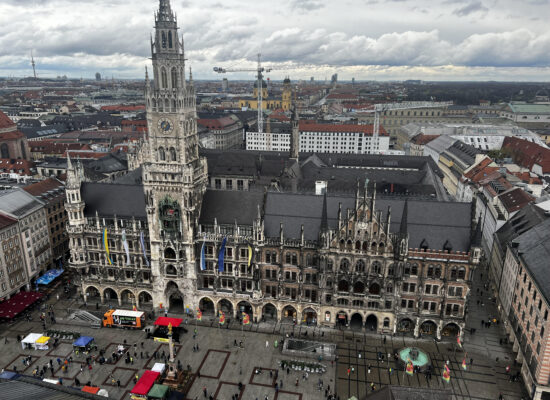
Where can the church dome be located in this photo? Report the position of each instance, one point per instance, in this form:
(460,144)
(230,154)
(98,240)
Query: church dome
(264,84)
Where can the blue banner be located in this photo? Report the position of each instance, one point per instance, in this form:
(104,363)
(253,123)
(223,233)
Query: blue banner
(203,261)
(221,256)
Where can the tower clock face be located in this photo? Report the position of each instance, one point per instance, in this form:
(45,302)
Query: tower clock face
(165,125)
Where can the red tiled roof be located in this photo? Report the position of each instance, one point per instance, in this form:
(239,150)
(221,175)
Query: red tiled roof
(138,122)
(123,107)
(527,153)
(422,139)
(38,188)
(307,126)
(342,96)
(6,221)
(9,165)
(85,154)
(216,123)
(527,178)
(5,121)
(515,199)
(11,135)
(481,170)
(49,147)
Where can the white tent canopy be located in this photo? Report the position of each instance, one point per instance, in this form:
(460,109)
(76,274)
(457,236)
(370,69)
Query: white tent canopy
(158,367)
(31,339)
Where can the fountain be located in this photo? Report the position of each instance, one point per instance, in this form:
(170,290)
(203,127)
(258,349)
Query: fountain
(419,358)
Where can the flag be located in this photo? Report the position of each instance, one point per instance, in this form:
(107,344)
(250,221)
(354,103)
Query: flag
(458,340)
(199,314)
(249,255)
(410,367)
(446,374)
(222,318)
(106,245)
(125,245)
(142,241)
(203,260)
(464,364)
(221,255)
(246,319)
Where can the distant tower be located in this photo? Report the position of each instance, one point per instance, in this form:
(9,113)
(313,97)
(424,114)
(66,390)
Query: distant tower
(295,135)
(225,85)
(97,76)
(287,94)
(33,65)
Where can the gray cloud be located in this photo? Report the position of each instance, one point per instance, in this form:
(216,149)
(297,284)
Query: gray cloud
(320,35)
(471,8)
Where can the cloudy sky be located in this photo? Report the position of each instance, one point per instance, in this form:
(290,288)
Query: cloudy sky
(365,39)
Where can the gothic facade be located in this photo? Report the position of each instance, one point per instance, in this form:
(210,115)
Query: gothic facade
(354,260)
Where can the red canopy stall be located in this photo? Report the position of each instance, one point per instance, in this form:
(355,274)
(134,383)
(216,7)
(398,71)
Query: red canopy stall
(18,303)
(161,333)
(144,384)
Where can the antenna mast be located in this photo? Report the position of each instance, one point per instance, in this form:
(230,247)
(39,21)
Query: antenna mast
(33,65)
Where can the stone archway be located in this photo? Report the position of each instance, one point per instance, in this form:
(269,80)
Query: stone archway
(145,299)
(406,326)
(206,305)
(175,302)
(226,307)
(269,312)
(309,317)
(342,318)
(356,322)
(92,294)
(451,330)
(110,295)
(245,306)
(371,323)
(428,328)
(289,314)
(127,297)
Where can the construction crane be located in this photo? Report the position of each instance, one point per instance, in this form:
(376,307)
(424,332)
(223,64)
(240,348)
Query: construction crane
(380,108)
(259,70)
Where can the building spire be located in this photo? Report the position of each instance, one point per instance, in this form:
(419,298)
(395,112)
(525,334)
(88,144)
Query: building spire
(403,225)
(324,215)
(165,11)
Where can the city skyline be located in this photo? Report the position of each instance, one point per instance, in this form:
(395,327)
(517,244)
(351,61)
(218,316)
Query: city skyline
(376,39)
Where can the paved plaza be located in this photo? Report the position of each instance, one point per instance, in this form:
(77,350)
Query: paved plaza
(219,366)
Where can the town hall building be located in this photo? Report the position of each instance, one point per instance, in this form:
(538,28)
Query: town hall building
(363,242)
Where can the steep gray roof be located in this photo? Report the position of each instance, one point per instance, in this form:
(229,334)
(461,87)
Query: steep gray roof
(533,247)
(433,222)
(18,203)
(521,222)
(110,199)
(228,206)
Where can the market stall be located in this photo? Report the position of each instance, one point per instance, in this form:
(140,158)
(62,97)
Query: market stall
(18,303)
(159,367)
(29,342)
(158,392)
(84,343)
(49,276)
(90,389)
(144,385)
(42,343)
(161,332)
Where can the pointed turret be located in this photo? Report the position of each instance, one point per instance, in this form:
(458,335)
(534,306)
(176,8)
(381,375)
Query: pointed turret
(403,231)
(373,202)
(324,214)
(295,135)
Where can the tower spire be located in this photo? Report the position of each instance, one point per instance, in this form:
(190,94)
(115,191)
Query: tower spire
(403,225)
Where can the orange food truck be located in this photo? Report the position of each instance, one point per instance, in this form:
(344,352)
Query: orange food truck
(124,319)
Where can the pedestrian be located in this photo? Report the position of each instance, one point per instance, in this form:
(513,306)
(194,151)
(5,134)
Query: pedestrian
(390,370)
(471,361)
(281,383)
(287,370)
(205,392)
(384,339)
(368,369)
(297,381)
(118,382)
(372,386)
(266,343)
(482,323)
(81,368)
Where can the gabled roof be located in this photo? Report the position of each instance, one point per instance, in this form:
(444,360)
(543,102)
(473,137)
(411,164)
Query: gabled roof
(43,187)
(515,199)
(6,122)
(110,199)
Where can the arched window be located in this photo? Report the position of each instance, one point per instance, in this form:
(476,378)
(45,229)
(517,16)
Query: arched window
(163,40)
(360,266)
(174,77)
(453,273)
(162,154)
(4,151)
(344,265)
(170,39)
(376,267)
(386,322)
(461,273)
(163,78)
(172,154)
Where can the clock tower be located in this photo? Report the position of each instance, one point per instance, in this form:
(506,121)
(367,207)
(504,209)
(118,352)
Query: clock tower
(174,176)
